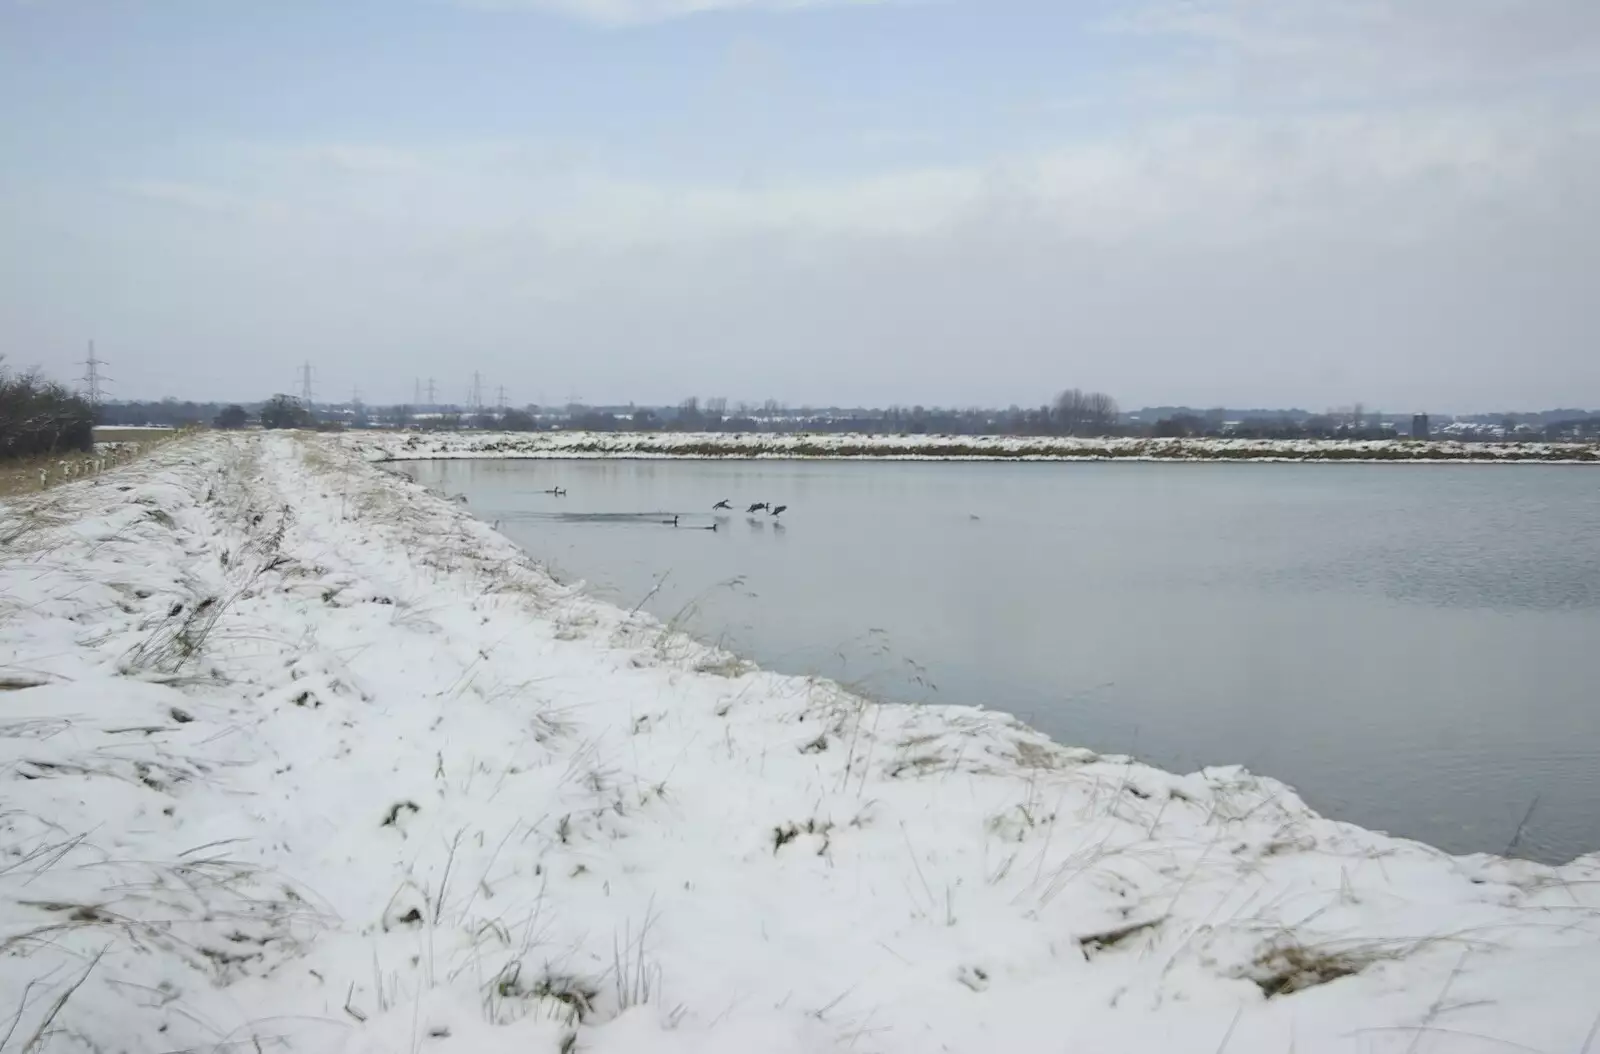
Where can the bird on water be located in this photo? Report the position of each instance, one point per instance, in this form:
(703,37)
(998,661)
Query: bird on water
(758,506)
(776,512)
(723,504)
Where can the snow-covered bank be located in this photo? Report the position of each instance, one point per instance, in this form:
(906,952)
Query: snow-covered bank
(402,446)
(299,756)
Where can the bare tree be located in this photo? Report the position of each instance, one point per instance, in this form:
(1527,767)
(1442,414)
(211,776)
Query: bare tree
(689,416)
(1102,412)
(518,421)
(285,411)
(1070,411)
(1077,412)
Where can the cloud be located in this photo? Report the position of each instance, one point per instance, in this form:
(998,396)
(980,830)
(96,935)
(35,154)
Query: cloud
(195,197)
(1406,259)
(1212,180)
(1363,199)
(1381,51)
(644,12)
(362,158)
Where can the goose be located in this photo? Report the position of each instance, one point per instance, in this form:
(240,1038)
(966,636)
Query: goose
(758,506)
(778,511)
(723,504)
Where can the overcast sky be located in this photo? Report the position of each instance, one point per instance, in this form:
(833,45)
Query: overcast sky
(952,202)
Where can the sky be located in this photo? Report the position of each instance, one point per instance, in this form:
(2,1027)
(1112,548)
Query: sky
(830,202)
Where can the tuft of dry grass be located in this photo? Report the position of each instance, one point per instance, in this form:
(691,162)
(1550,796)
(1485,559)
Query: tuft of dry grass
(1286,966)
(636,981)
(731,667)
(785,833)
(1092,943)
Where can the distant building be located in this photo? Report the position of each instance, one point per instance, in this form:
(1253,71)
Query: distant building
(1419,426)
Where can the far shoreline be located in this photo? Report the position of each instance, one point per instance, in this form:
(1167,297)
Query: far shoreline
(656,446)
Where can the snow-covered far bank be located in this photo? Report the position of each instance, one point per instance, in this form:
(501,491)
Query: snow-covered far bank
(413,446)
(299,756)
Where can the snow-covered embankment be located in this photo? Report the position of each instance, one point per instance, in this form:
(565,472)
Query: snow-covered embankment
(298,756)
(414,446)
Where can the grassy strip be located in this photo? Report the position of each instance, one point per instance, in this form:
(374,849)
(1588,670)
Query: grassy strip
(33,474)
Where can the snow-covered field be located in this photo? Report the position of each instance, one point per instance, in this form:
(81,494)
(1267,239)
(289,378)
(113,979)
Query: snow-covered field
(401,446)
(298,756)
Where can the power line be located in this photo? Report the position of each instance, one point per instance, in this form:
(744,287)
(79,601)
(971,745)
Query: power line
(500,399)
(307,394)
(431,400)
(92,380)
(477,392)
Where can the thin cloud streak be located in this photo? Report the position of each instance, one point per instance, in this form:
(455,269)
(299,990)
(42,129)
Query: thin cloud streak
(1374,52)
(1211,180)
(626,13)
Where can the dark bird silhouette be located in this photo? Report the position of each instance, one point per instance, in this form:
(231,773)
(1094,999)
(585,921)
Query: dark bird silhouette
(723,504)
(778,510)
(559,492)
(758,506)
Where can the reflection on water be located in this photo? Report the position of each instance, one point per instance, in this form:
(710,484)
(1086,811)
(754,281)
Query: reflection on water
(1412,647)
(629,519)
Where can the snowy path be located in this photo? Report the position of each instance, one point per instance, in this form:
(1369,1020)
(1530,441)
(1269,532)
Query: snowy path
(297,756)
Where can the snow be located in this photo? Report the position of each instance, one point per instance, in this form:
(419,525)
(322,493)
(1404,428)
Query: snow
(401,446)
(299,756)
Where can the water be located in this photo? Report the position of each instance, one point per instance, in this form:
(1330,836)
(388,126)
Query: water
(1415,648)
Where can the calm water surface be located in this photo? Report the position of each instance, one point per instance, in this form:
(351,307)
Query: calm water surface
(1415,648)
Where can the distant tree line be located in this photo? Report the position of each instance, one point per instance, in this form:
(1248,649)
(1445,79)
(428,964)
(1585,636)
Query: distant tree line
(1586,427)
(168,412)
(1314,426)
(38,416)
(1073,412)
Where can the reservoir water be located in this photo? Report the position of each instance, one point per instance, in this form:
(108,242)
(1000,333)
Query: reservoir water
(1415,649)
